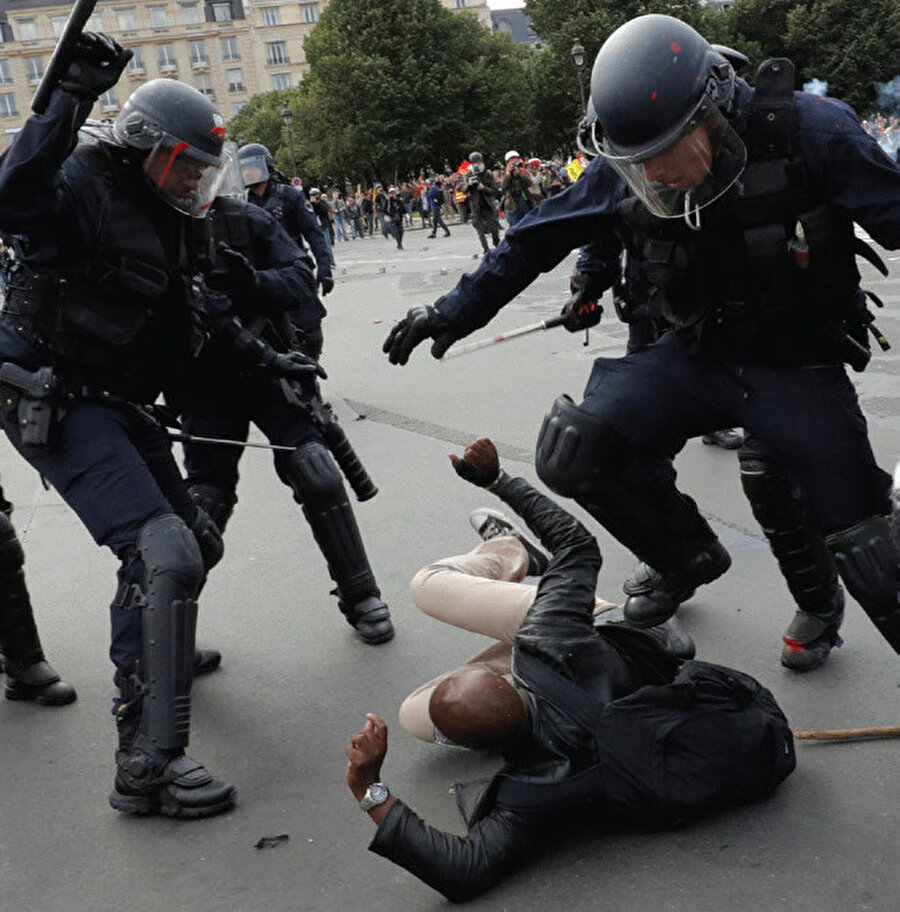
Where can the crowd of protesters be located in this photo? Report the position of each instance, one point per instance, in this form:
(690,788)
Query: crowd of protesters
(885,129)
(428,201)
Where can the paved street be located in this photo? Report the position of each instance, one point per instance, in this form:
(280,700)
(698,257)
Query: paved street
(295,682)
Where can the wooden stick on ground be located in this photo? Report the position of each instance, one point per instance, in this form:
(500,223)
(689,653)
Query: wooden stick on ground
(849,734)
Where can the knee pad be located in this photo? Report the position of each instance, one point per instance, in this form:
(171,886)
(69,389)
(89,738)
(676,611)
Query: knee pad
(12,557)
(869,563)
(216,502)
(173,564)
(572,449)
(209,539)
(313,474)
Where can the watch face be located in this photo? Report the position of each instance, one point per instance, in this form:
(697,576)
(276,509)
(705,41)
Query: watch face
(377,793)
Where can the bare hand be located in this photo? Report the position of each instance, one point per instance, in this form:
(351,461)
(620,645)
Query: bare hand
(480,463)
(366,753)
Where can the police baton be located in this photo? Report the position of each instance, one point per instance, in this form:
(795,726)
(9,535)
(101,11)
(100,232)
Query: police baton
(504,337)
(181,437)
(59,59)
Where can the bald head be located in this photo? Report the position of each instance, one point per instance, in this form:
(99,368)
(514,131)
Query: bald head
(478,708)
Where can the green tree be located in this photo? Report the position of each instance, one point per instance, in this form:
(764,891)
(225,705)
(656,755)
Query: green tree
(850,45)
(394,86)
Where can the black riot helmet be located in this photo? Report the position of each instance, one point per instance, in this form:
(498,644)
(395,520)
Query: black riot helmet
(181,136)
(657,84)
(257,164)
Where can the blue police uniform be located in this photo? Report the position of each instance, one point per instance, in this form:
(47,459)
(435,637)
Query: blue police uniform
(295,214)
(221,398)
(776,372)
(105,306)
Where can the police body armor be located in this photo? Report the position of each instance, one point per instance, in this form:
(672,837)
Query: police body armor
(273,203)
(108,318)
(771,274)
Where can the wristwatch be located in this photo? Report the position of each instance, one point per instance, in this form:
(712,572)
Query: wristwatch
(377,793)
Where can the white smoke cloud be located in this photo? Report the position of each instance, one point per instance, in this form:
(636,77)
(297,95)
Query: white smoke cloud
(816,87)
(888,96)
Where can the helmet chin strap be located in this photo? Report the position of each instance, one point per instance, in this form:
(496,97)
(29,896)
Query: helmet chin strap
(691,218)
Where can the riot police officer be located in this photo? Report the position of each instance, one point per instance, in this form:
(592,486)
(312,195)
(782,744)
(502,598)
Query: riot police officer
(294,213)
(745,200)
(29,676)
(106,310)
(221,397)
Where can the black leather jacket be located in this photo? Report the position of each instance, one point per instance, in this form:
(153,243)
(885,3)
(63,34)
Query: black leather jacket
(608,662)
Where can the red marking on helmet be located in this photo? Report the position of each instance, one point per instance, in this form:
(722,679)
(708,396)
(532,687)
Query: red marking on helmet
(179,148)
(675,47)
(218,132)
(653,97)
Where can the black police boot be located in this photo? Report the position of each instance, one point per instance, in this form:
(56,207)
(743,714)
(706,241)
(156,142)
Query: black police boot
(28,674)
(318,486)
(809,639)
(153,781)
(654,597)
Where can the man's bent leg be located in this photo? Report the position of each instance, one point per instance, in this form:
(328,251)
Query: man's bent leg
(583,456)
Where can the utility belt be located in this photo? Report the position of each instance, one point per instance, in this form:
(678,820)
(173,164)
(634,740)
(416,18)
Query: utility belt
(41,398)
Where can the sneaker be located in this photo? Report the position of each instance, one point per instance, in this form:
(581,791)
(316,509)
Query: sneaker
(490,524)
(728,439)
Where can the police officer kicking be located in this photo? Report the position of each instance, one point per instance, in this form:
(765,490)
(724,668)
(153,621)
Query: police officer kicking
(107,309)
(745,200)
(294,213)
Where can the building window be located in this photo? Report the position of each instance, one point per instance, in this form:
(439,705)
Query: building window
(460,4)
(27,30)
(165,57)
(158,17)
(58,23)
(125,19)
(198,54)
(309,12)
(95,23)
(222,12)
(276,52)
(5,78)
(230,49)
(281,81)
(8,105)
(190,14)
(109,101)
(204,84)
(136,64)
(34,69)
(235,80)
(236,107)
(271,15)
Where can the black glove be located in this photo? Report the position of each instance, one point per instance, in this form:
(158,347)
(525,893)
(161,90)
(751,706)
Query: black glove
(420,323)
(295,365)
(234,275)
(326,282)
(95,65)
(583,309)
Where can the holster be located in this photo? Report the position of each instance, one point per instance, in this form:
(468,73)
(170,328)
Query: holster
(37,397)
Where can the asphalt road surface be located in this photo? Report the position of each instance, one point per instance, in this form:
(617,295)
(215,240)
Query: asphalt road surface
(296,683)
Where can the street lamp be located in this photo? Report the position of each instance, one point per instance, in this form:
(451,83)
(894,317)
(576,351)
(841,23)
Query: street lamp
(287,115)
(577,54)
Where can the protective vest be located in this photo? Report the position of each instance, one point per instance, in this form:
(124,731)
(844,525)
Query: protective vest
(771,274)
(114,318)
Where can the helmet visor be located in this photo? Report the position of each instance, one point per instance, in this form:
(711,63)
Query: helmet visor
(185,177)
(254,169)
(700,163)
